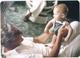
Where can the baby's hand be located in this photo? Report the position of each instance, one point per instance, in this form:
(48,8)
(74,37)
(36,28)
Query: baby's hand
(66,23)
(63,31)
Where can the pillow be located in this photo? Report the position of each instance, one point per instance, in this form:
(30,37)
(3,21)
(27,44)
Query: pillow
(76,29)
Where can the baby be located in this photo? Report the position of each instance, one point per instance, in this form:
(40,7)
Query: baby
(59,19)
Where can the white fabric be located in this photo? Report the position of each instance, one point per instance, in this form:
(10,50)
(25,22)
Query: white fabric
(35,9)
(15,54)
(76,31)
(28,49)
(72,49)
(28,41)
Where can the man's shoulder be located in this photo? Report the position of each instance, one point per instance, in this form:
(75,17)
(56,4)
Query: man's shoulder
(27,38)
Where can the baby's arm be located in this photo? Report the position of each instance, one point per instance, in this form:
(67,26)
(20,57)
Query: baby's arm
(69,31)
(48,26)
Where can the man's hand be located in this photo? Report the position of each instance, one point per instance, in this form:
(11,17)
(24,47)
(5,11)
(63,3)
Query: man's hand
(63,31)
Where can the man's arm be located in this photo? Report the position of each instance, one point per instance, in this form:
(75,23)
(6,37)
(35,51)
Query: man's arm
(42,38)
(55,49)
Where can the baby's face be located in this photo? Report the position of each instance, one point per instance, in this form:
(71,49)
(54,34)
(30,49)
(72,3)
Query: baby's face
(58,13)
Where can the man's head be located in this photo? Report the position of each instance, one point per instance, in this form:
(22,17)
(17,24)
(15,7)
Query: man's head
(12,39)
(60,11)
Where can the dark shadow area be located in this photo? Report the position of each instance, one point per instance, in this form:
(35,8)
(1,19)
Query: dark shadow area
(73,13)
